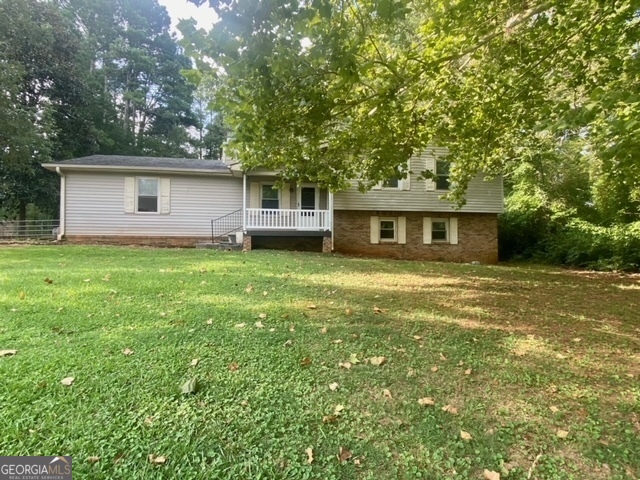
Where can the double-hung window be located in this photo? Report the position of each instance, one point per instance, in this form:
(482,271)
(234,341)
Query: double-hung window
(270,197)
(442,175)
(440,230)
(388,230)
(147,195)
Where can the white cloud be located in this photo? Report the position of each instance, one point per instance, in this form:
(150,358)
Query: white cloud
(180,9)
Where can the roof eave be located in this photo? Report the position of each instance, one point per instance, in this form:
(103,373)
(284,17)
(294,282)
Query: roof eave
(53,166)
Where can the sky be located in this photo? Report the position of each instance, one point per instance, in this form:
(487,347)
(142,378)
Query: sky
(179,9)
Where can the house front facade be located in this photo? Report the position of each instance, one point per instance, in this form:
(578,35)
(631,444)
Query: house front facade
(180,202)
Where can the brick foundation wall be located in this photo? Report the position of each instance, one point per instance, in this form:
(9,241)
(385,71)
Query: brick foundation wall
(188,242)
(326,244)
(246,243)
(477,237)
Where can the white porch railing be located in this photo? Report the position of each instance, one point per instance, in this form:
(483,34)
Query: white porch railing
(283,219)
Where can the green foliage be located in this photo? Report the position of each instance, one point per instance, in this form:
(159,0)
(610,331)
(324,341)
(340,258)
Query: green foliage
(330,90)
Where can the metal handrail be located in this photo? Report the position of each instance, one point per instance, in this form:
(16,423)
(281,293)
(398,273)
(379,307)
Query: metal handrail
(226,224)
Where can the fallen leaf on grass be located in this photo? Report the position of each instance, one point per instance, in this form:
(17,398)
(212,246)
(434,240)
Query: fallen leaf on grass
(160,460)
(465,435)
(353,358)
(329,419)
(305,362)
(48,280)
(344,455)
(127,352)
(262,316)
(265,293)
(346,365)
(309,452)
(93,459)
(87,280)
(434,369)
(411,372)
(417,337)
(378,310)
(288,343)
(240,325)
(107,277)
(323,330)
(190,386)
(348,312)
(292,328)
(149,420)
(7,353)
(442,357)
(377,361)
(357,461)
(333,386)
(195,362)
(554,409)
(233,367)
(387,393)
(249,288)
(468,371)
(67,381)
(338,409)
(210,321)
(562,434)
(491,475)
(426,401)
(450,409)
(311,307)
(259,324)
(337,340)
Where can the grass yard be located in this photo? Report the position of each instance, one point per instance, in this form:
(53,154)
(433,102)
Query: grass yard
(539,366)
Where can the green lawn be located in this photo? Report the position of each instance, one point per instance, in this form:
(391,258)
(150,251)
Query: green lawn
(521,353)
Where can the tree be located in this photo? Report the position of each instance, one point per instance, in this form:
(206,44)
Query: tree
(336,89)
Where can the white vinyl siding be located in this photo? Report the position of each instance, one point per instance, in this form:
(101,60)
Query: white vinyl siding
(96,205)
(482,197)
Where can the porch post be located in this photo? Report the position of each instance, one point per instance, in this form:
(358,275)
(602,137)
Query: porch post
(244,202)
(331,216)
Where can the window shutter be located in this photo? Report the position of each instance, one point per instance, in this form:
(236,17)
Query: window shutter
(453,231)
(426,230)
(165,195)
(129,194)
(431,166)
(254,195)
(406,182)
(285,196)
(402,230)
(375,230)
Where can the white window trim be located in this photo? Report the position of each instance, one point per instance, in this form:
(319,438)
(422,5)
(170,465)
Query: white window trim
(270,184)
(435,181)
(137,195)
(395,229)
(446,227)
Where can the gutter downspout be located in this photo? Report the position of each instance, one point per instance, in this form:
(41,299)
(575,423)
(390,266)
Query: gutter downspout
(244,202)
(63,203)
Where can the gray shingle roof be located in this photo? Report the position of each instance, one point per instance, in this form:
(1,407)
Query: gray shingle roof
(145,162)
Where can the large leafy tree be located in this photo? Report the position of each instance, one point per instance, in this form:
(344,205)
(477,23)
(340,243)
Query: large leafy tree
(337,89)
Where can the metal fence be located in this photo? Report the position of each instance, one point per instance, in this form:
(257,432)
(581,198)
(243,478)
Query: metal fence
(29,228)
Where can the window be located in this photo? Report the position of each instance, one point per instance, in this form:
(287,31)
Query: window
(270,197)
(442,175)
(440,230)
(147,195)
(393,182)
(387,230)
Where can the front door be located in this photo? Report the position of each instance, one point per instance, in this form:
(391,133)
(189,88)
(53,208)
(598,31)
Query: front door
(308,198)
